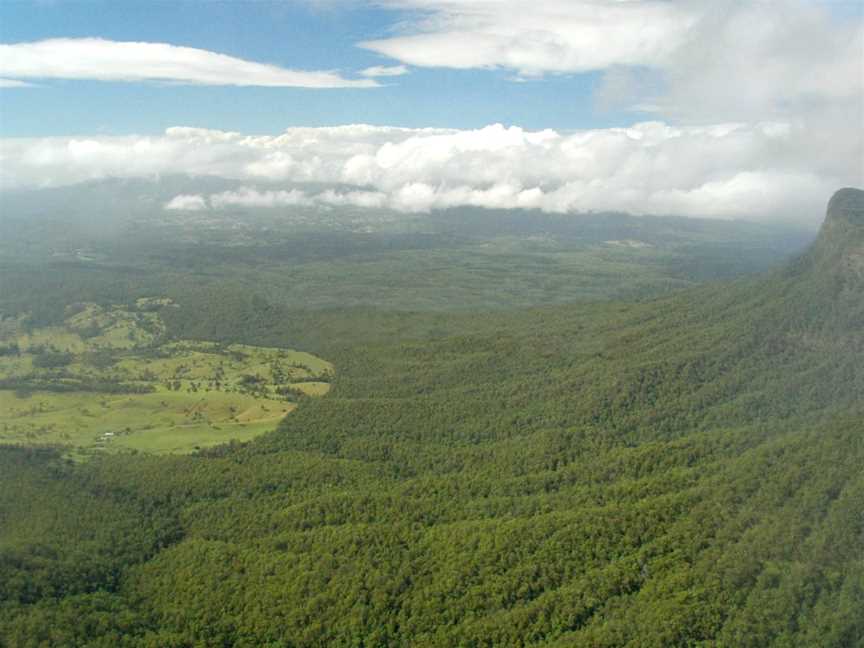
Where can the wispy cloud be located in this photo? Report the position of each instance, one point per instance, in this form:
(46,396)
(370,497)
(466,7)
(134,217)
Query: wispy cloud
(14,83)
(106,60)
(384,71)
(272,198)
(535,38)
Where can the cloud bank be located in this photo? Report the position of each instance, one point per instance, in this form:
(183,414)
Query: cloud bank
(766,171)
(106,60)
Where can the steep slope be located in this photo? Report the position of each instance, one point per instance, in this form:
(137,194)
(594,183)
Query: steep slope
(675,473)
(828,281)
(839,250)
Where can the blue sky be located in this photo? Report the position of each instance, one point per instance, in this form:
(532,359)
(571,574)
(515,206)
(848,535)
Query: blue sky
(293,34)
(713,108)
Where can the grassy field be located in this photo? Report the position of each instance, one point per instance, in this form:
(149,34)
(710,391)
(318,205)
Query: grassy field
(107,381)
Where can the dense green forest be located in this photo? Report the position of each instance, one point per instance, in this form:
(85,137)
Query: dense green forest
(679,471)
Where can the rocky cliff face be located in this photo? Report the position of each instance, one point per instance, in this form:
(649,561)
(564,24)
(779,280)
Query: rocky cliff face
(824,289)
(839,250)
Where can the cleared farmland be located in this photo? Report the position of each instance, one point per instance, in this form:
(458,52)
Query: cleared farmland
(108,380)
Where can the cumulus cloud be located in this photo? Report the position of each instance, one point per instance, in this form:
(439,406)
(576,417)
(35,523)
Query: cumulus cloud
(384,71)
(106,60)
(186,202)
(758,171)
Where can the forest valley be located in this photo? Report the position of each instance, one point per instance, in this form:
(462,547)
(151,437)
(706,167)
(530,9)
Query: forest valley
(678,465)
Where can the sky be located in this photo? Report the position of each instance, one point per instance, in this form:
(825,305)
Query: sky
(723,108)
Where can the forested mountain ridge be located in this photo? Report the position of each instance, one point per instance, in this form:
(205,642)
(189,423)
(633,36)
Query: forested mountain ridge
(838,253)
(681,472)
(825,286)
(845,217)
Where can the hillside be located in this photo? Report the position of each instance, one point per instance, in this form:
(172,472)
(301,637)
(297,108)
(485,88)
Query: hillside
(679,472)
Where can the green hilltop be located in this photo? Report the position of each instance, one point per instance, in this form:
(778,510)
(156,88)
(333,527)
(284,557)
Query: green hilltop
(678,472)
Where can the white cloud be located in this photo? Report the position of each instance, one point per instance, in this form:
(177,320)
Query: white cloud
(368,199)
(537,37)
(13,83)
(249,197)
(186,202)
(384,71)
(106,60)
(776,170)
(694,60)
(788,58)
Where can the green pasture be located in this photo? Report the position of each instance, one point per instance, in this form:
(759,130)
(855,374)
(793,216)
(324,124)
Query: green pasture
(60,385)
